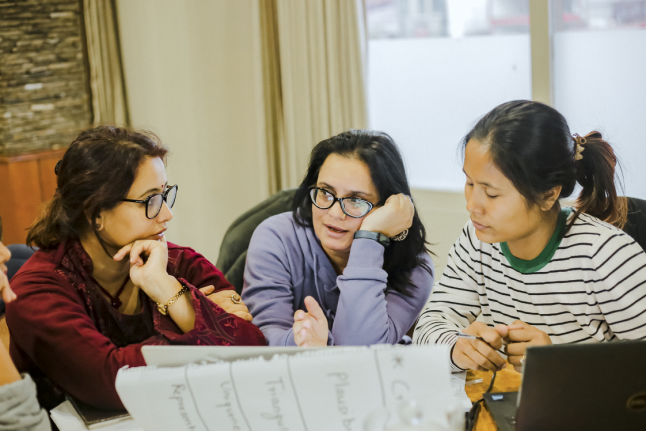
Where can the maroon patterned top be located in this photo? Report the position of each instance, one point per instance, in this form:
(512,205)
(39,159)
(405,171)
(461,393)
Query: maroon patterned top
(68,336)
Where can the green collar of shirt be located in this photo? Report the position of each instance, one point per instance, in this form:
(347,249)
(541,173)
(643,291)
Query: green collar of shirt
(539,262)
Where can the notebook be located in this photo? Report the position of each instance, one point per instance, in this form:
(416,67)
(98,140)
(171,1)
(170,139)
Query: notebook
(95,418)
(67,418)
(583,386)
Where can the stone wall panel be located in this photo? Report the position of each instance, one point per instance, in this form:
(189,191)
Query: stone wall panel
(44,102)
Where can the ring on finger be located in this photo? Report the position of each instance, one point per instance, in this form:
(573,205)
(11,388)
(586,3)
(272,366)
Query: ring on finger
(522,360)
(235,298)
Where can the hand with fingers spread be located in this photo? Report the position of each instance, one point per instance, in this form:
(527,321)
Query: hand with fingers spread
(395,216)
(479,354)
(225,299)
(518,337)
(311,328)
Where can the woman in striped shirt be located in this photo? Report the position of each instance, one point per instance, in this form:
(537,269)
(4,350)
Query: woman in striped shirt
(536,273)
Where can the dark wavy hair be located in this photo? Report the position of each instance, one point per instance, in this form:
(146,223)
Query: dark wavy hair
(379,152)
(95,173)
(531,144)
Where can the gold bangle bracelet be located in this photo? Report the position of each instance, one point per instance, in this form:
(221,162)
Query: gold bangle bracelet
(163,308)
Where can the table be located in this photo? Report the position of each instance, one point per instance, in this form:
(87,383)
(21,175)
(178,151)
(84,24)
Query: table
(507,380)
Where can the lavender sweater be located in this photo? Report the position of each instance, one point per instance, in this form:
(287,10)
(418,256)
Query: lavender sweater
(285,263)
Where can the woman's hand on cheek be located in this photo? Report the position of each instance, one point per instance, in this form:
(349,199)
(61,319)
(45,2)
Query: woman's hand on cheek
(148,260)
(391,219)
(519,337)
(310,329)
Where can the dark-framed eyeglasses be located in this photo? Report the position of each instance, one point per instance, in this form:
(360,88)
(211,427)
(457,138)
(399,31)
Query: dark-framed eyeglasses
(353,207)
(154,202)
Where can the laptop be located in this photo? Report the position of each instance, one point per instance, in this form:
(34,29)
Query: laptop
(599,386)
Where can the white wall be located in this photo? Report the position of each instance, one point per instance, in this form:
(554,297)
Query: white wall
(193,76)
(444,215)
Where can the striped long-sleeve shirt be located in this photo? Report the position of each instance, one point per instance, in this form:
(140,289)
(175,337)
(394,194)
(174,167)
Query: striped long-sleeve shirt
(587,285)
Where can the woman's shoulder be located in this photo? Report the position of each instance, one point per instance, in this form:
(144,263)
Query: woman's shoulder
(601,239)
(42,266)
(282,236)
(42,281)
(176,249)
(280,228)
(182,258)
(593,230)
(283,223)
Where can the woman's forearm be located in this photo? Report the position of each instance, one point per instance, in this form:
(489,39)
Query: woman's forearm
(181,311)
(8,372)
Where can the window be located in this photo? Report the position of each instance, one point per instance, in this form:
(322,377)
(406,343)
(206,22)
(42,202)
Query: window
(599,70)
(436,66)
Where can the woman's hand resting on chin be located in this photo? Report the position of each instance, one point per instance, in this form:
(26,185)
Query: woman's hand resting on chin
(148,261)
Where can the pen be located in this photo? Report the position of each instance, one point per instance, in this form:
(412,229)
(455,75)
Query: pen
(469,336)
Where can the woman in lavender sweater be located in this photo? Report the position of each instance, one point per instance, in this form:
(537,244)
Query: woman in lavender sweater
(356,273)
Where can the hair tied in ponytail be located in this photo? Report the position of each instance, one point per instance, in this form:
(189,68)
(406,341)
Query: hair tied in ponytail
(57,167)
(579,142)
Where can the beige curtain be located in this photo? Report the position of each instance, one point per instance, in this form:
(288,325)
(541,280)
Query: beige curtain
(104,58)
(313,76)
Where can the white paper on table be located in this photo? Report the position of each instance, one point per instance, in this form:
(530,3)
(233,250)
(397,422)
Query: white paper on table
(66,418)
(341,392)
(314,390)
(458,381)
(266,393)
(160,398)
(221,406)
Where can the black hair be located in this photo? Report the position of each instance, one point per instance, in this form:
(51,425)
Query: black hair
(95,173)
(531,144)
(379,152)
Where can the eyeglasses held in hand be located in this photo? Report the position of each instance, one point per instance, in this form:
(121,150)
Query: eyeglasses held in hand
(353,207)
(154,202)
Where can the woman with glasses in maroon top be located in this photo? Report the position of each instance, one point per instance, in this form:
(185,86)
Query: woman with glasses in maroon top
(105,281)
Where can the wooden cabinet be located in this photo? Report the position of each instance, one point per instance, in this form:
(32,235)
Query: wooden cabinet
(26,182)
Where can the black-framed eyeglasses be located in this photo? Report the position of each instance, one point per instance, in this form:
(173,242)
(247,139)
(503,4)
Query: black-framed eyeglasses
(154,202)
(353,207)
